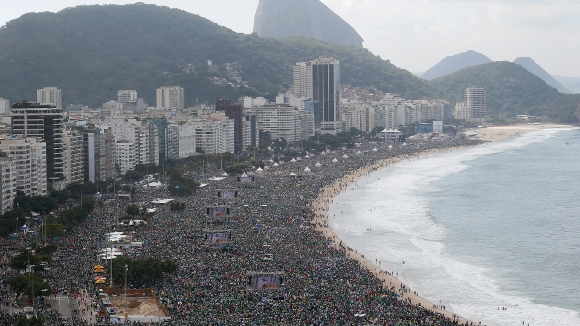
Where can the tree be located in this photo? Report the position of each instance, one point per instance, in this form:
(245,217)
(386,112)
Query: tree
(23,259)
(61,196)
(140,271)
(22,285)
(133,210)
(55,230)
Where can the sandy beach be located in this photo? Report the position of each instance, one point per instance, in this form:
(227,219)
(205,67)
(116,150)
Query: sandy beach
(321,207)
(500,133)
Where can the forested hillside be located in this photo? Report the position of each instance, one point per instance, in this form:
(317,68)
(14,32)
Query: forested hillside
(511,90)
(90,52)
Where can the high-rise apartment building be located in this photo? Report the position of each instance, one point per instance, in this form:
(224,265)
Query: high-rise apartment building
(170,97)
(6,191)
(215,135)
(126,96)
(235,112)
(28,157)
(283,121)
(475,99)
(43,121)
(320,80)
(49,96)
(4,106)
(74,160)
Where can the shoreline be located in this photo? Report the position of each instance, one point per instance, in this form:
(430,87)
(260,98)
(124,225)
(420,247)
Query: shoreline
(321,205)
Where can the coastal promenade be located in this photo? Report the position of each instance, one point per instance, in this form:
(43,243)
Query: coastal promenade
(278,225)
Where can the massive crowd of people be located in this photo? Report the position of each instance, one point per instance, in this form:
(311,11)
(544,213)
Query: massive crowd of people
(273,229)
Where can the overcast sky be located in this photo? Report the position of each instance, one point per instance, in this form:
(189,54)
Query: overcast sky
(413,34)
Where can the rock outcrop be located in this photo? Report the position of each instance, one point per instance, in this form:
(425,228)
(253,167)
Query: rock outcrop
(307,18)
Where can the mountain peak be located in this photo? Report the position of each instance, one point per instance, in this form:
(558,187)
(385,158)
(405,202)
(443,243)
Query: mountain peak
(535,69)
(307,18)
(454,63)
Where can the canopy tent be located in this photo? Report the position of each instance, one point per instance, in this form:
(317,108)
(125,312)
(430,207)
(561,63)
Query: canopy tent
(216,179)
(335,161)
(375,150)
(317,164)
(345,156)
(259,170)
(307,170)
(293,160)
(162,201)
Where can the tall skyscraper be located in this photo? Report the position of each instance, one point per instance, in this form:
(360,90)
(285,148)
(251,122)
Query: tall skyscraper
(126,96)
(44,122)
(49,96)
(235,112)
(170,97)
(320,80)
(475,99)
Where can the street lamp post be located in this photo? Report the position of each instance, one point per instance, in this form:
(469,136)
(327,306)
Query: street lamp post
(126,312)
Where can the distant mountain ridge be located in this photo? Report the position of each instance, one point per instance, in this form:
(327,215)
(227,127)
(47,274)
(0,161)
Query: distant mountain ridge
(535,69)
(90,52)
(455,63)
(571,83)
(307,18)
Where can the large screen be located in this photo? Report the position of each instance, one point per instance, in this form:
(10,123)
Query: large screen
(221,237)
(227,194)
(218,211)
(265,281)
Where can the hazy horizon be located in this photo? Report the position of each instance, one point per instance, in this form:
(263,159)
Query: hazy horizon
(413,34)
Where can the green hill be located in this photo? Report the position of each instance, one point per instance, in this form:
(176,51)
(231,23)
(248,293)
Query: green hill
(511,90)
(90,52)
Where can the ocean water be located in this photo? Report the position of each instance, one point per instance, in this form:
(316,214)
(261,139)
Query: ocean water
(476,229)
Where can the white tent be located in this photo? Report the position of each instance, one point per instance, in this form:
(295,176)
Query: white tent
(359,153)
(390,147)
(374,149)
(405,144)
(259,170)
(317,165)
(155,184)
(225,174)
(162,201)
(293,160)
(345,156)
(335,161)
(292,174)
(307,170)
(275,165)
(271,161)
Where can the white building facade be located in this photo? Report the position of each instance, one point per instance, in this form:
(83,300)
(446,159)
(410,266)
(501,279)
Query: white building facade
(170,97)
(49,96)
